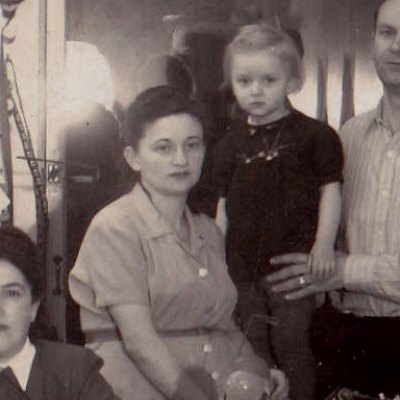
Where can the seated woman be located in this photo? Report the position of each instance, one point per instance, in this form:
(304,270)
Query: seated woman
(38,369)
(150,278)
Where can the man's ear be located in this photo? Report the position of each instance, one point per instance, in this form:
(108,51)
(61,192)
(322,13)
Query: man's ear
(131,158)
(34,310)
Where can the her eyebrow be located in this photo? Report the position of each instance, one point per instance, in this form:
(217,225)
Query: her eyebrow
(14,285)
(163,140)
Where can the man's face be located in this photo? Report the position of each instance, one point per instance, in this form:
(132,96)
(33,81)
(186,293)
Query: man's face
(17,310)
(387,45)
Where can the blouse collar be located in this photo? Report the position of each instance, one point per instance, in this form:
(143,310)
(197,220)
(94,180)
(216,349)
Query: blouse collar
(155,223)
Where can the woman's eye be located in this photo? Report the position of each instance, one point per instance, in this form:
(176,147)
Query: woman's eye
(13,293)
(163,148)
(194,145)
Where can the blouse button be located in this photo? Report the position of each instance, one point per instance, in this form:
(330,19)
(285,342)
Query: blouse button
(207,348)
(215,376)
(203,272)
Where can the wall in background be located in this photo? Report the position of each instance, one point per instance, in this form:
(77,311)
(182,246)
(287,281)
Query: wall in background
(128,32)
(330,29)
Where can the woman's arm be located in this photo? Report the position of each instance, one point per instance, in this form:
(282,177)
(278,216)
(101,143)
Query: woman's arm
(150,355)
(277,385)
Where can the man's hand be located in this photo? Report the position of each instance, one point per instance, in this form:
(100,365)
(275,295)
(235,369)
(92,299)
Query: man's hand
(297,280)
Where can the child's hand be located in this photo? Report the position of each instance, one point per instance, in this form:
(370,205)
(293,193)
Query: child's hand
(321,261)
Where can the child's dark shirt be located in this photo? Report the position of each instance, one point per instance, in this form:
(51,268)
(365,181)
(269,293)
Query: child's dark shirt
(272,205)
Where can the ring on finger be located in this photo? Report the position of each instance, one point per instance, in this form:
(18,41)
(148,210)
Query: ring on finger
(302,281)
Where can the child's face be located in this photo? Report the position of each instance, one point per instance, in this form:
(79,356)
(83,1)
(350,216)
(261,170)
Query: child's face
(261,82)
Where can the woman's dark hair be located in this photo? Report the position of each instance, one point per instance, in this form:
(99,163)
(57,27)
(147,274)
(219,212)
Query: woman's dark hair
(19,249)
(156,103)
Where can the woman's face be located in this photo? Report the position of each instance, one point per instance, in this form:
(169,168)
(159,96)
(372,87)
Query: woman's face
(170,154)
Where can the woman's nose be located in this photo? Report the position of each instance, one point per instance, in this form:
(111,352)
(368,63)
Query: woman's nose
(180,157)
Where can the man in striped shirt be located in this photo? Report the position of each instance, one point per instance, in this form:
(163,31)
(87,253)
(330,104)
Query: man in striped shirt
(365,333)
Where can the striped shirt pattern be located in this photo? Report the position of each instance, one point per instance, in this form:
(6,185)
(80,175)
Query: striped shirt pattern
(371,216)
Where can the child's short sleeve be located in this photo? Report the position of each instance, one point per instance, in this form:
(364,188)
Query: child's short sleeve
(327,156)
(111,267)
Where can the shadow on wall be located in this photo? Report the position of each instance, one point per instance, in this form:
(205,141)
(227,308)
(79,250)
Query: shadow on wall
(92,147)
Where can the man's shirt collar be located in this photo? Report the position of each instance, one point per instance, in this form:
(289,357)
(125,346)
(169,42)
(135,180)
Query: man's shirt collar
(379,118)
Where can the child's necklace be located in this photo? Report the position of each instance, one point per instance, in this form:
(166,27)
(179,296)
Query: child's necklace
(270,152)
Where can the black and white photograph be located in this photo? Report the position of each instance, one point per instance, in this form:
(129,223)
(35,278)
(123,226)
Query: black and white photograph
(199,199)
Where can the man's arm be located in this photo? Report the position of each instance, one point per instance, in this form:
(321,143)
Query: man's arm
(297,280)
(375,275)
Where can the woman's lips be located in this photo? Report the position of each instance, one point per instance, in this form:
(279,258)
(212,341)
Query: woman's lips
(180,174)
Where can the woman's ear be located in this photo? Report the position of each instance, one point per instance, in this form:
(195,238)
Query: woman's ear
(131,158)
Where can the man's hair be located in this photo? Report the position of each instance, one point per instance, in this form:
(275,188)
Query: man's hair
(156,103)
(286,44)
(19,249)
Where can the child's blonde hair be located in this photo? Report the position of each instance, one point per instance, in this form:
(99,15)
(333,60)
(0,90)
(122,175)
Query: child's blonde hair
(287,45)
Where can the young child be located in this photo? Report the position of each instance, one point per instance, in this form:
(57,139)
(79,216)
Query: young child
(278,175)
(40,369)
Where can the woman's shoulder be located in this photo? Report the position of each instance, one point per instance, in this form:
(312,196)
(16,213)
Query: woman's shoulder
(204,222)
(119,217)
(116,210)
(208,229)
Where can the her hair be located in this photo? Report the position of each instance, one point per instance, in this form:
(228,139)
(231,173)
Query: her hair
(19,249)
(286,44)
(156,103)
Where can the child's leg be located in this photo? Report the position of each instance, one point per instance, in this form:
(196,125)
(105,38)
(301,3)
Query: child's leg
(291,343)
(252,317)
